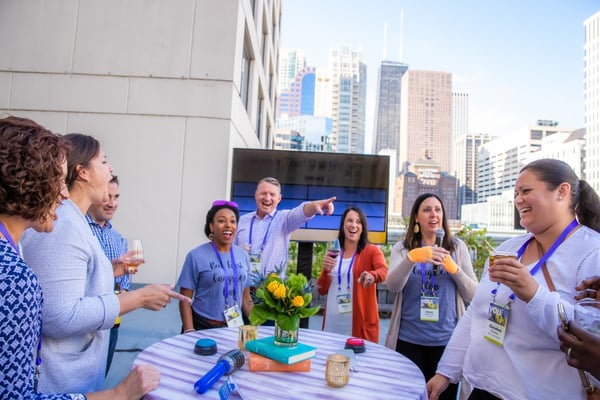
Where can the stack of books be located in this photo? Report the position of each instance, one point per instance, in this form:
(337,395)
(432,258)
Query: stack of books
(265,356)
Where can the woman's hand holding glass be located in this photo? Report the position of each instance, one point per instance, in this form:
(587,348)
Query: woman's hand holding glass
(330,259)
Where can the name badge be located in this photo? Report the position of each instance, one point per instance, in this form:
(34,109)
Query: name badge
(344,302)
(430,309)
(255,261)
(497,323)
(233,316)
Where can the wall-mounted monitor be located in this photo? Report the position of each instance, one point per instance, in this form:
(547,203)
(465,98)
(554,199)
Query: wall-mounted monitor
(355,179)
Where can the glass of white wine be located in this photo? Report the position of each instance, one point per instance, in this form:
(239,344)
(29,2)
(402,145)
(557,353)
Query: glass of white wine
(136,257)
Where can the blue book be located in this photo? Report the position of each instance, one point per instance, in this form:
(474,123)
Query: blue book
(287,355)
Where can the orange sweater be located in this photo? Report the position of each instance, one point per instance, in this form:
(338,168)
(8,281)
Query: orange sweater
(365,313)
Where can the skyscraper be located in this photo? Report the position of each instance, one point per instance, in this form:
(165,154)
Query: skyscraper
(387,120)
(592,100)
(426,128)
(349,89)
(466,165)
(290,63)
(460,124)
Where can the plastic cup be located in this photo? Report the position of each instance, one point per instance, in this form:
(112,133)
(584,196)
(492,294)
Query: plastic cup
(495,255)
(587,315)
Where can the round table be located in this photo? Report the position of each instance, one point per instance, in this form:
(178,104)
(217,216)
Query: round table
(381,373)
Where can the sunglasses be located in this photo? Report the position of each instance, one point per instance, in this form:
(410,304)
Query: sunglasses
(219,203)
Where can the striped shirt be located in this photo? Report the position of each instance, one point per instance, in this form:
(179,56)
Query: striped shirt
(113,244)
(274,231)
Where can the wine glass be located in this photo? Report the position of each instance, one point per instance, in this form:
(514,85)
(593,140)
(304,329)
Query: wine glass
(333,248)
(135,258)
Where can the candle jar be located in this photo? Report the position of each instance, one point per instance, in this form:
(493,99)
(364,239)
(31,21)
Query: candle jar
(337,371)
(246,333)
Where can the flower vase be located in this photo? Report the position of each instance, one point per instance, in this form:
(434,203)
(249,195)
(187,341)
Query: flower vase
(287,338)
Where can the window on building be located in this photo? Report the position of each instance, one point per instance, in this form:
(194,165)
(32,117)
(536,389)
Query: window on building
(246,64)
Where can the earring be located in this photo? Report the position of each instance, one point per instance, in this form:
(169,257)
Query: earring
(417,228)
(211,236)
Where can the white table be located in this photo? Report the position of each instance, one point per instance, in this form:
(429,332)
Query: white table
(381,372)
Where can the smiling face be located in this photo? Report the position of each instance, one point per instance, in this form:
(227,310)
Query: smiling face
(223,228)
(538,207)
(353,227)
(105,211)
(430,216)
(267,198)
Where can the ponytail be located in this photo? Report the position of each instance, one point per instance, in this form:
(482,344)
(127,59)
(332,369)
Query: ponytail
(587,207)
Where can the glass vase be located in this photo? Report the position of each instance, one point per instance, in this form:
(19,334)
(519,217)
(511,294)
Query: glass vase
(287,338)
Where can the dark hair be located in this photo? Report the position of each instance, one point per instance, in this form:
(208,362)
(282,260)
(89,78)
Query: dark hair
(413,240)
(31,175)
(364,235)
(84,149)
(585,203)
(114,179)
(210,216)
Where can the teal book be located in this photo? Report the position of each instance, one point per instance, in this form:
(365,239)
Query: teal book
(287,355)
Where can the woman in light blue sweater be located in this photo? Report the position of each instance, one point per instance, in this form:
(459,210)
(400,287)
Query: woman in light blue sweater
(34,166)
(77,279)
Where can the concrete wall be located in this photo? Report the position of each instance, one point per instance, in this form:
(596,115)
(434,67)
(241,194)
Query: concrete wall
(158,84)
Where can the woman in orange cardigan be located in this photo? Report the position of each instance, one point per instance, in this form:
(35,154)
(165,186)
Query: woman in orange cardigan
(349,280)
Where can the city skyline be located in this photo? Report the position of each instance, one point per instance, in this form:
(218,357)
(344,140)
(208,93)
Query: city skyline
(518,62)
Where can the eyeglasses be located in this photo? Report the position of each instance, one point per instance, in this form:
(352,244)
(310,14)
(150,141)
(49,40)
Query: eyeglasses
(219,203)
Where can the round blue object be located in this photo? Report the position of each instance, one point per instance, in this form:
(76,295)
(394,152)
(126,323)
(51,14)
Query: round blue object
(205,347)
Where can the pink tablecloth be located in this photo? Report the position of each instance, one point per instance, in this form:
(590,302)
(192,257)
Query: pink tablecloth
(381,373)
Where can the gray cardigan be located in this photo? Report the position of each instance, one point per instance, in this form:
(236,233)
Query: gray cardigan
(400,267)
(79,302)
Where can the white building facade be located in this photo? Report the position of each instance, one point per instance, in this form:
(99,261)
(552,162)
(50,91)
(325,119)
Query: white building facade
(169,89)
(592,100)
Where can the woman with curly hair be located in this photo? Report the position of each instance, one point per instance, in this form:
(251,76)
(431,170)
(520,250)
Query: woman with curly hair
(32,185)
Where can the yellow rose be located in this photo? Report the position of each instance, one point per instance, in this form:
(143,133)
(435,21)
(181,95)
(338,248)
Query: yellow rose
(298,301)
(271,287)
(280,292)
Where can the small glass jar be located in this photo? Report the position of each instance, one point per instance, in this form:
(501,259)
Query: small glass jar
(247,333)
(337,371)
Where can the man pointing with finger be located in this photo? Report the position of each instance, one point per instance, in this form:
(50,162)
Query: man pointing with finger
(265,233)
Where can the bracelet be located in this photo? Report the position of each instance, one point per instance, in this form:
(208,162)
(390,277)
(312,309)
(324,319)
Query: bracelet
(189,330)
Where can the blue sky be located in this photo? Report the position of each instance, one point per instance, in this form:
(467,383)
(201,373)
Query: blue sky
(519,60)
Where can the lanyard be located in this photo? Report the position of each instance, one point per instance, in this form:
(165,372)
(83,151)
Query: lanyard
(38,360)
(264,242)
(226,277)
(8,238)
(424,280)
(561,238)
(340,270)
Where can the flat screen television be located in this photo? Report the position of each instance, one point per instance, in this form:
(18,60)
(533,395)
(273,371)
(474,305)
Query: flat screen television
(355,179)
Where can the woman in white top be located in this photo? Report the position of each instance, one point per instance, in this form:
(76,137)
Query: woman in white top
(506,345)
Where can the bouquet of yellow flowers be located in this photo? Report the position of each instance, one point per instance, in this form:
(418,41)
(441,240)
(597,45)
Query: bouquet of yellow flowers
(282,301)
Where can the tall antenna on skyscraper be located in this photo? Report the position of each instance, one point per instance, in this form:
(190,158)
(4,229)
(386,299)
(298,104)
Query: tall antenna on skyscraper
(384,40)
(401,33)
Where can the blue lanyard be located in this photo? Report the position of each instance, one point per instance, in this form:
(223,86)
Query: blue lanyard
(226,277)
(264,242)
(8,238)
(424,280)
(561,238)
(340,271)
